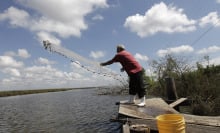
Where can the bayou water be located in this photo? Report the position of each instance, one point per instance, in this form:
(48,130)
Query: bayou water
(75,111)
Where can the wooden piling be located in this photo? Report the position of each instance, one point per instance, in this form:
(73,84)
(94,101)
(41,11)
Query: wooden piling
(171,89)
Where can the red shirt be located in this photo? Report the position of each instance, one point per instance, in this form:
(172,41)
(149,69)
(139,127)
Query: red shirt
(128,62)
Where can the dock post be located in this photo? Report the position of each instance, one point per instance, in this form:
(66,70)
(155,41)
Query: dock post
(171,89)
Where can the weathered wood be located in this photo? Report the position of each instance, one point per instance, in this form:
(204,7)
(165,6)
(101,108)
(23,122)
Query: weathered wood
(156,106)
(177,102)
(202,120)
(153,108)
(171,89)
(190,127)
(193,128)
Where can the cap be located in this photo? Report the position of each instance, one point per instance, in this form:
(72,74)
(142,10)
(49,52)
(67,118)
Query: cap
(121,46)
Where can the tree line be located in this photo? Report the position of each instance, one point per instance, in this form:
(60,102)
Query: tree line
(197,82)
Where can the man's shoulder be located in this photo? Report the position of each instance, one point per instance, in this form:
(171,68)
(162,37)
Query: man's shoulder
(124,52)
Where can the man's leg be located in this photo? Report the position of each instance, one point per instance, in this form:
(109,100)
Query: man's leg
(141,89)
(132,88)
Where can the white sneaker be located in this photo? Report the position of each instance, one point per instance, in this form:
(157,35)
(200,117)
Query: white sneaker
(135,98)
(131,99)
(142,102)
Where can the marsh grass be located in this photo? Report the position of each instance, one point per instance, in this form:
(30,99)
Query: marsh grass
(26,92)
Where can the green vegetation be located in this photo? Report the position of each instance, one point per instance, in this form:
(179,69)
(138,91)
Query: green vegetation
(200,84)
(25,92)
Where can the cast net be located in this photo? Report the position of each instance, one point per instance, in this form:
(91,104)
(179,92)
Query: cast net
(87,64)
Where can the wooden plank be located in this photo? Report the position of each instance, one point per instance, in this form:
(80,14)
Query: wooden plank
(202,120)
(156,106)
(177,102)
(194,128)
(153,108)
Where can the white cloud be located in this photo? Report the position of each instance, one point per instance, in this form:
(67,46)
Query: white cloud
(73,75)
(44,61)
(211,18)
(23,53)
(175,50)
(215,61)
(43,75)
(218,1)
(98,17)
(16,17)
(12,71)
(7,61)
(211,49)
(36,77)
(96,54)
(62,18)
(141,57)
(160,18)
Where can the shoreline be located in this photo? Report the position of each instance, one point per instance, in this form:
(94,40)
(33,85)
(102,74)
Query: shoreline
(27,92)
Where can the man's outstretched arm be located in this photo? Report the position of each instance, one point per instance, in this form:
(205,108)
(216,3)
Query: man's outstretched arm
(106,63)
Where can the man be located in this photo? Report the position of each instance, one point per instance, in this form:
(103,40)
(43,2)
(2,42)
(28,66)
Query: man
(134,71)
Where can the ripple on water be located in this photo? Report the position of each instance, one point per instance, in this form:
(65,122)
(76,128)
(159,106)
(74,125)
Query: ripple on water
(75,111)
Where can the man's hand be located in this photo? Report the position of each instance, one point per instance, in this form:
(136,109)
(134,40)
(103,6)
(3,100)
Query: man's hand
(101,64)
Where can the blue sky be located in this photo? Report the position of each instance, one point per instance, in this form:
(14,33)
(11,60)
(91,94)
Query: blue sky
(149,29)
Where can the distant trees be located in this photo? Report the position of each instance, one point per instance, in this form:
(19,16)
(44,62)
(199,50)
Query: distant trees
(201,84)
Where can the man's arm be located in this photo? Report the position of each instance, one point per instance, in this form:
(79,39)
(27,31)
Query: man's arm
(106,63)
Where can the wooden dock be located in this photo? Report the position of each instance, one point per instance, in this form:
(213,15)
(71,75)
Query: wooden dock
(132,114)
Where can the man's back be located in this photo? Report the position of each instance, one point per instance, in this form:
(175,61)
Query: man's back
(129,63)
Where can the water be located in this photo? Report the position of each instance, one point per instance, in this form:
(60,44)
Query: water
(76,111)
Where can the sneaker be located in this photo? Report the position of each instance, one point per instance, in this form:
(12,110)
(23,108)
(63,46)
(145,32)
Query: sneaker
(130,101)
(142,102)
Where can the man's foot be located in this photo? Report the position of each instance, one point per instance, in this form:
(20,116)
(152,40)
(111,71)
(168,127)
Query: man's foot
(142,102)
(131,100)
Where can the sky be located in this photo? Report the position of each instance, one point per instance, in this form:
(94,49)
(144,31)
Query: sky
(149,29)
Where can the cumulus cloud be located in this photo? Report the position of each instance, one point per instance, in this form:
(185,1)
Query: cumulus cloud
(44,61)
(12,71)
(212,18)
(215,61)
(96,54)
(160,18)
(23,53)
(8,61)
(43,75)
(175,50)
(39,77)
(141,57)
(62,18)
(16,17)
(73,75)
(211,49)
